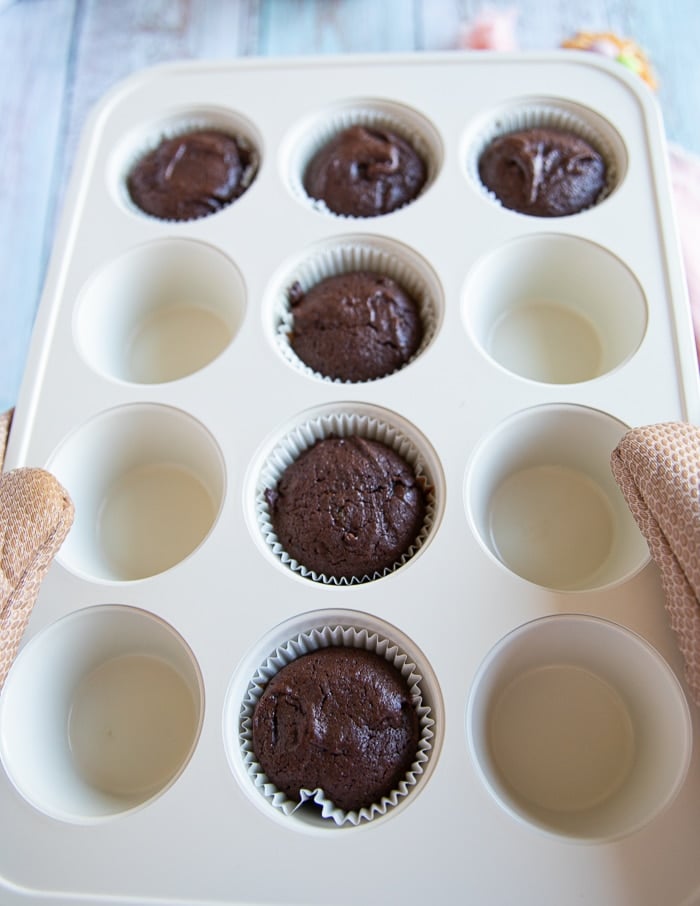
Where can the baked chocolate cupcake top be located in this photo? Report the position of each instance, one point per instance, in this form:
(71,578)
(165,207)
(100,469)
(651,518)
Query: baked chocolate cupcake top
(192,175)
(365,171)
(544,172)
(347,507)
(337,719)
(356,326)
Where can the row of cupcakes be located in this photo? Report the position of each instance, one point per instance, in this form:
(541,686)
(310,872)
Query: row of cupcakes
(575,724)
(365,159)
(546,307)
(124,696)
(349,493)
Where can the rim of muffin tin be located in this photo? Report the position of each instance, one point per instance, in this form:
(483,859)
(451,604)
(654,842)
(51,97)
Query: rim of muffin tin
(342,420)
(312,132)
(286,642)
(146,137)
(551,112)
(345,254)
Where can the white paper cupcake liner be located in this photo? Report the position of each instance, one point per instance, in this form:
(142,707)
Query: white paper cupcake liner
(407,123)
(147,139)
(357,254)
(341,422)
(311,640)
(554,115)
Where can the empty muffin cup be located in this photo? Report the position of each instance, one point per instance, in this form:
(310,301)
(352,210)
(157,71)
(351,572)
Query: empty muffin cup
(542,499)
(577,726)
(160,312)
(554,308)
(100,713)
(302,635)
(147,482)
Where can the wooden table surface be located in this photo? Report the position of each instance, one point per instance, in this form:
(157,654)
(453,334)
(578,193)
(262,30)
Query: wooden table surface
(58,57)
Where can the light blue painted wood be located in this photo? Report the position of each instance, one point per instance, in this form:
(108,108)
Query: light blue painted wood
(58,57)
(671,34)
(337,26)
(34,58)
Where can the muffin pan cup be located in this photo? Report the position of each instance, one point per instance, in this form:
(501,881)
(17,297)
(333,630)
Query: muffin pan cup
(347,254)
(372,113)
(481,413)
(355,631)
(101,714)
(348,420)
(570,720)
(550,113)
(173,123)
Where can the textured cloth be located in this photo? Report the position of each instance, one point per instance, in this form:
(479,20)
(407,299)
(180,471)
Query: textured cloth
(5,422)
(35,516)
(658,470)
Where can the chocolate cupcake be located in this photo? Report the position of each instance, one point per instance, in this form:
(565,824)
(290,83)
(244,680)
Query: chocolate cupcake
(355,326)
(288,743)
(365,171)
(347,508)
(192,175)
(341,720)
(543,171)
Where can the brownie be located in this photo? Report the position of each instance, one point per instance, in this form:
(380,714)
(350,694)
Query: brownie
(544,172)
(365,171)
(338,719)
(347,507)
(355,326)
(192,175)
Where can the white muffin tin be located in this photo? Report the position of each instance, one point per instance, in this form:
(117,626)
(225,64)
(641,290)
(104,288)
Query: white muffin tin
(546,338)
